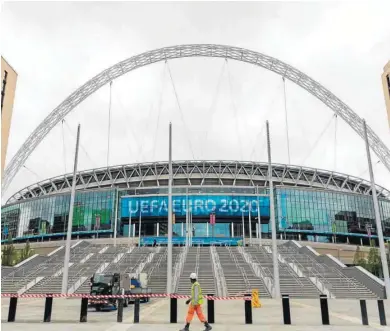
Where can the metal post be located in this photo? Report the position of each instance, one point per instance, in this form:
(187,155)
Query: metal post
(70,218)
(210,309)
(140,226)
(48,309)
(173,317)
(158,229)
(272,219)
(116,216)
(286,309)
(182,229)
(169,264)
(259,215)
(250,224)
(232,230)
(385,267)
(130,224)
(243,230)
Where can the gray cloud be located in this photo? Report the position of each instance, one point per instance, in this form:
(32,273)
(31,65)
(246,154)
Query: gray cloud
(56,47)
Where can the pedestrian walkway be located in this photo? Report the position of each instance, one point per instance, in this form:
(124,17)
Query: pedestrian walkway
(229,316)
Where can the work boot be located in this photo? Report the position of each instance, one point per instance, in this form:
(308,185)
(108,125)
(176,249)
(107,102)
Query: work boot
(207,326)
(186,328)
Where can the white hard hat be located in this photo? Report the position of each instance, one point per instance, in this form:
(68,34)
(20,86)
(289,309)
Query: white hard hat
(193,275)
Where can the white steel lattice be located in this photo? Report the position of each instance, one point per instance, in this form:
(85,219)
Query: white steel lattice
(196,50)
(197,174)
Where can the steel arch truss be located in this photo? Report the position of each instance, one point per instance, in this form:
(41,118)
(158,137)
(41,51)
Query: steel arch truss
(200,173)
(196,50)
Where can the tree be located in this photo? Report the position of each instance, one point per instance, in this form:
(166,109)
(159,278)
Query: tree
(374,264)
(359,259)
(8,252)
(26,252)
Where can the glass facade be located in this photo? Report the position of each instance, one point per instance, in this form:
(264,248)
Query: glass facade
(308,212)
(93,211)
(328,212)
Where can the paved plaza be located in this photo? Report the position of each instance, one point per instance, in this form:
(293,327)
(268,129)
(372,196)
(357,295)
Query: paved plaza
(229,316)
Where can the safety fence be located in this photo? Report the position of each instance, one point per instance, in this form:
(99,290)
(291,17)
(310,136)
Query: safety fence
(247,298)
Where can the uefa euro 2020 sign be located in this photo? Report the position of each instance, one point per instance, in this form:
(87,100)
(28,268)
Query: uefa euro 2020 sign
(199,205)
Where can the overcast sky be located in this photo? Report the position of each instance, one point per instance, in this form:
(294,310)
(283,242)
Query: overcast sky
(56,47)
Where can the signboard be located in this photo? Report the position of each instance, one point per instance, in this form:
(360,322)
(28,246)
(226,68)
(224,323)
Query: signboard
(199,205)
(195,241)
(212,219)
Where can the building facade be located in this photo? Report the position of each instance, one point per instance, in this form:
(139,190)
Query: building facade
(310,204)
(8,88)
(386,88)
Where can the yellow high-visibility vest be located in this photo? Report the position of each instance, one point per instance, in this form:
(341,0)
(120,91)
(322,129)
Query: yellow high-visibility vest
(196,300)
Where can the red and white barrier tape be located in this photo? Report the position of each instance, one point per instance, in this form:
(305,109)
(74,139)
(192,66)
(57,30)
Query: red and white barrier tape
(81,295)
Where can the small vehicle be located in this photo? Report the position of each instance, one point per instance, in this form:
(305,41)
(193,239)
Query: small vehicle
(105,284)
(116,284)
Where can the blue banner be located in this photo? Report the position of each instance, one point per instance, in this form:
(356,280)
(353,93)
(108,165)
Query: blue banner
(195,241)
(199,205)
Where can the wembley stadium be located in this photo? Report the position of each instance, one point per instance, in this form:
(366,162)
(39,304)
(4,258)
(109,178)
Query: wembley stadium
(310,204)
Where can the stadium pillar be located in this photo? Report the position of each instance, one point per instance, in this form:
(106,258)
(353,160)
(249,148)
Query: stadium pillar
(258,214)
(116,215)
(70,219)
(243,230)
(250,224)
(187,211)
(385,268)
(130,224)
(169,264)
(273,221)
(140,227)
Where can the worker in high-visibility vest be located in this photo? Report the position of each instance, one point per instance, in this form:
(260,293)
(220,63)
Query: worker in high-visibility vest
(195,305)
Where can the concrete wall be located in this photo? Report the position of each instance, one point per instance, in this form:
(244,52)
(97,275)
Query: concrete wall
(8,104)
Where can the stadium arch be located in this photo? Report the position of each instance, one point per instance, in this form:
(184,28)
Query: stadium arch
(193,50)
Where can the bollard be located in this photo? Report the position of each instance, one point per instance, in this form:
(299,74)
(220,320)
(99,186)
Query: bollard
(286,309)
(324,309)
(382,314)
(13,303)
(173,310)
(136,310)
(363,309)
(248,310)
(84,310)
(119,317)
(210,310)
(48,309)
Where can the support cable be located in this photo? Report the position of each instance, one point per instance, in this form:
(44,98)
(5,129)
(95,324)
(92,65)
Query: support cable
(234,110)
(128,120)
(275,97)
(335,144)
(159,106)
(318,139)
(63,144)
(109,126)
(286,119)
(34,173)
(213,105)
(374,166)
(181,112)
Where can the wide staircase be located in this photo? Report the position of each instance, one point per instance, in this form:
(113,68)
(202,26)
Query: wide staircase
(235,276)
(290,283)
(338,284)
(76,269)
(157,271)
(198,261)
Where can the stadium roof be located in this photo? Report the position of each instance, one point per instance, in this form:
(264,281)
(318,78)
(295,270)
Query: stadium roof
(199,173)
